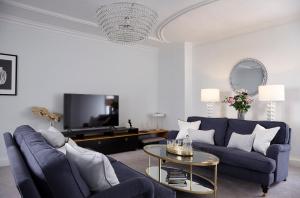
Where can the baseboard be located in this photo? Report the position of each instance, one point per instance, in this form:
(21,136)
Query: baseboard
(295,162)
(4,162)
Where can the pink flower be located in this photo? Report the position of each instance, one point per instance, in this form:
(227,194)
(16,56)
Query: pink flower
(249,100)
(230,100)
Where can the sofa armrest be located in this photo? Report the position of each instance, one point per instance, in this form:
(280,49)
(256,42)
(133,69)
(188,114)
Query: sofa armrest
(137,187)
(275,149)
(280,153)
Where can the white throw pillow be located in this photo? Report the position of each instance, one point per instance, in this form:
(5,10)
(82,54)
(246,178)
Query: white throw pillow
(94,167)
(203,136)
(184,126)
(240,141)
(53,136)
(263,138)
(63,148)
(71,142)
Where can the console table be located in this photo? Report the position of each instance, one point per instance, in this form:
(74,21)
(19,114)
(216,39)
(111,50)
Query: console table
(116,142)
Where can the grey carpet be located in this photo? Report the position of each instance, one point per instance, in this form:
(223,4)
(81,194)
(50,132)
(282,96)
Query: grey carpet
(229,187)
(7,184)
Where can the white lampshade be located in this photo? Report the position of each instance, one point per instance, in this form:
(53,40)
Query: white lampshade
(210,95)
(158,115)
(271,93)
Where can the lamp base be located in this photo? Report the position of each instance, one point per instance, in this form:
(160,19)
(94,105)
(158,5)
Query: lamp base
(271,108)
(210,109)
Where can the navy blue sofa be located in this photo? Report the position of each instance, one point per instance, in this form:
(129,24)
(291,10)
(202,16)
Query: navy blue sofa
(42,171)
(251,166)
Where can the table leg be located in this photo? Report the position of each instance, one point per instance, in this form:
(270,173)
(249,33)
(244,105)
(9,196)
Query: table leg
(149,164)
(159,170)
(191,176)
(216,181)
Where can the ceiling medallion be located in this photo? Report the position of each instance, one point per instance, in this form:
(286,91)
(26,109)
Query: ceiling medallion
(125,22)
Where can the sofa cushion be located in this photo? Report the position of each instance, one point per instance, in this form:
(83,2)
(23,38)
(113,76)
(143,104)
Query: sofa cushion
(219,151)
(184,126)
(94,167)
(125,173)
(53,136)
(238,158)
(263,138)
(52,173)
(241,141)
(247,127)
(218,124)
(205,136)
(250,160)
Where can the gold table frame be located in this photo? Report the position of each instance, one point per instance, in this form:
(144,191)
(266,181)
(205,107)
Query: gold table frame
(208,162)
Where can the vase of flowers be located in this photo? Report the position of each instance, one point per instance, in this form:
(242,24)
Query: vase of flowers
(241,115)
(241,102)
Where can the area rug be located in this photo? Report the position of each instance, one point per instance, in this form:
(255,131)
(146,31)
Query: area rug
(228,187)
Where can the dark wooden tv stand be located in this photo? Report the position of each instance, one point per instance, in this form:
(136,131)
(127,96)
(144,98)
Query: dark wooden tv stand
(108,143)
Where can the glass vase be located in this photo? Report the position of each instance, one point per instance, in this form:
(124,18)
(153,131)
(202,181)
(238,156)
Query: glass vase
(241,115)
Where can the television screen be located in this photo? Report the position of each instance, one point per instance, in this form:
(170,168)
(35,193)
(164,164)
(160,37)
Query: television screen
(90,111)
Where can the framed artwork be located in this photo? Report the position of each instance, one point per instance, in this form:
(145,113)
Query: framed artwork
(8,74)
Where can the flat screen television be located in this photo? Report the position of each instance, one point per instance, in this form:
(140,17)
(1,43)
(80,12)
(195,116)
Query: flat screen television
(90,111)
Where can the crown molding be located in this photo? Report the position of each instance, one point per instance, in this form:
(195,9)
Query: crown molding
(49,13)
(57,15)
(213,41)
(43,26)
(160,28)
(66,31)
(159,37)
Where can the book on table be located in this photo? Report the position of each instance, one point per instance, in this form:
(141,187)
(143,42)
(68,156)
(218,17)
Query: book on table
(178,185)
(176,177)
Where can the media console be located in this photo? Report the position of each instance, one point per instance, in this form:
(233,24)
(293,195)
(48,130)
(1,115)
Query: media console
(109,142)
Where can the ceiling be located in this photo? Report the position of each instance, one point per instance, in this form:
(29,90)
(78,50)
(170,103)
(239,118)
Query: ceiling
(197,21)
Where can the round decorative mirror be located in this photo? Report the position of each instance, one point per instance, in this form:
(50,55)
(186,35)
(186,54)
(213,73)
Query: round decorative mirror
(248,74)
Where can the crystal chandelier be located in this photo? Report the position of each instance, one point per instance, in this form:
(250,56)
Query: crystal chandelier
(126,22)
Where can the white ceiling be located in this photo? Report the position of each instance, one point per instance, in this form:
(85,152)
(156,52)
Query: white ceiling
(198,21)
(228,18)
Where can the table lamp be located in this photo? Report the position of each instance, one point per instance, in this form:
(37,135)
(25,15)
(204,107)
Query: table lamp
(210,96)
(158,116)
(271,94)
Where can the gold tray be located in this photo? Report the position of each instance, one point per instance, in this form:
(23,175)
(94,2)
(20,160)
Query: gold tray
(179,150)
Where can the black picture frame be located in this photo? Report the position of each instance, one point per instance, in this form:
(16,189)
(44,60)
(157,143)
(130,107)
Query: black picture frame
(8,74)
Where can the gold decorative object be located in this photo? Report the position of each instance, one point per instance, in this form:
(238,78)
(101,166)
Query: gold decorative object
(44,112)
(179,150)
(180,147)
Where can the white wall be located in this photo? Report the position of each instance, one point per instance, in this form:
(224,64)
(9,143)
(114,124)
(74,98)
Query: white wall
(52,63)
(277,48)
(147,79)
(171,89)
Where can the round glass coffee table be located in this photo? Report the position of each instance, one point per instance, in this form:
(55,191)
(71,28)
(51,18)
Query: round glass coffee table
(196,183)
